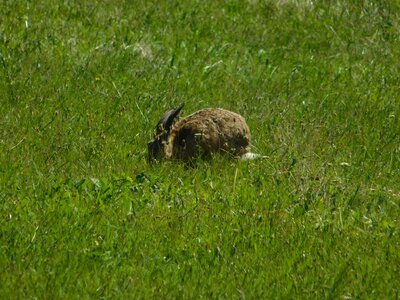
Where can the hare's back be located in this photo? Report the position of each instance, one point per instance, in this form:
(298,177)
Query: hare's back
(219,129)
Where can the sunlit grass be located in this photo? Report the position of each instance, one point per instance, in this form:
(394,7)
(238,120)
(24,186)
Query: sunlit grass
(82,86)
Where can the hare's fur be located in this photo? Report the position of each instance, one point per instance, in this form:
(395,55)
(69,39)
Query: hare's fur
(201,134)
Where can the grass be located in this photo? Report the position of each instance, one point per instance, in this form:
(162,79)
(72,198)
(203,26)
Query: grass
(83,215)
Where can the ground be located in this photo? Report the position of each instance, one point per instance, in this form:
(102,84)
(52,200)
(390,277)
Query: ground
(83,215)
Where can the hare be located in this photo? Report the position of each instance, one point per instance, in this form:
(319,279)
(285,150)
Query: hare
(199,135)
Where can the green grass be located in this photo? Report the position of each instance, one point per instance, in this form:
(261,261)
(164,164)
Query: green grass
(82,214)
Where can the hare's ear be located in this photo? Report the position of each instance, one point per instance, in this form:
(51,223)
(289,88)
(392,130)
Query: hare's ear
(168,119)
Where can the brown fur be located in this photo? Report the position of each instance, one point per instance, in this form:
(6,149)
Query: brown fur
(203,133)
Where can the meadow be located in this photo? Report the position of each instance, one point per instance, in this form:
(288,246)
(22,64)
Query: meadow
(82,213)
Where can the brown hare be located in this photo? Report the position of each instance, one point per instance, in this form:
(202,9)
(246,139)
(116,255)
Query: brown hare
(199,135)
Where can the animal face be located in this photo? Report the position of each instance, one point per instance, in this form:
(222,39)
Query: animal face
(163,128)
(155,149)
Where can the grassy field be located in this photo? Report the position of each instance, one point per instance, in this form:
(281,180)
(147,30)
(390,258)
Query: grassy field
(82,214)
